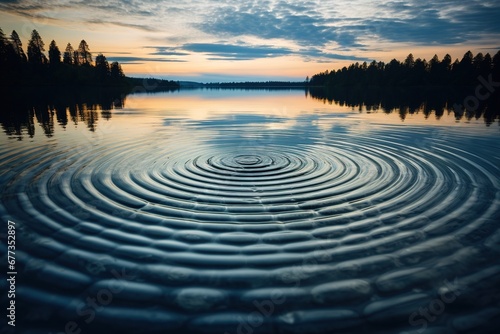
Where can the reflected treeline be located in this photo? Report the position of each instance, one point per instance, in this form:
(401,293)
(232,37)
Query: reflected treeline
(22,110)
(462,102)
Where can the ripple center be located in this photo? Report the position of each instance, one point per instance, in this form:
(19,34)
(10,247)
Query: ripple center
(248,160)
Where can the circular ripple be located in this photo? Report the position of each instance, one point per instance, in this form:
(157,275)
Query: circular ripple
(248,160)
(346,231)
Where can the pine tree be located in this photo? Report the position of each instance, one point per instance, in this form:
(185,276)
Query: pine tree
(18,47)
(4,46)
(68,54)
(84,55)
(466,69)
(409,61)
(477,61)
(102,67)
(36,49)
(434,75)
(54,54)
(486,65)
(76,58)
(496,66)
(446,62)
(7,53)
(116,71)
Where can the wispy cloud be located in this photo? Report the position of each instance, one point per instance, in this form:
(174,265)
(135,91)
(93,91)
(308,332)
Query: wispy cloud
(316,53)
(122,24)
(283,21)
(419,22)
(436,22)
(166,51)
(243,51)
(129,59)
(218,51)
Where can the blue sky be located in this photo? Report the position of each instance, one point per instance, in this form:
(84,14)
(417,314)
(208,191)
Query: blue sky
(236,40)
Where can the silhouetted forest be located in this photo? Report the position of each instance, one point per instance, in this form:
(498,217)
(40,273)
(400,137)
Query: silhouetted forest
(69,68)
(414,72)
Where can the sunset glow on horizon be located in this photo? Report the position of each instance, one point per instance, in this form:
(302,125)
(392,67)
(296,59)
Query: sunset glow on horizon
(222,41)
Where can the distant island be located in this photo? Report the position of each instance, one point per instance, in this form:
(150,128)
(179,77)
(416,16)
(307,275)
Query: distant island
(257,85)
(71,68)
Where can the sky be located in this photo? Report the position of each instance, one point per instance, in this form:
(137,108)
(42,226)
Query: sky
(227,40)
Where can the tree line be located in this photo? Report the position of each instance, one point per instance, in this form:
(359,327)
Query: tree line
(414,72)
(70,68)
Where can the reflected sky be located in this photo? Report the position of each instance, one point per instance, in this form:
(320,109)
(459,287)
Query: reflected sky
(263,109)
(280,109)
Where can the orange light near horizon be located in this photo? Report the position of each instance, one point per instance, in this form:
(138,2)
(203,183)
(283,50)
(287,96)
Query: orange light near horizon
(197,66)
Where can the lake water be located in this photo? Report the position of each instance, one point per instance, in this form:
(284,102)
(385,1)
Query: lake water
(232,211)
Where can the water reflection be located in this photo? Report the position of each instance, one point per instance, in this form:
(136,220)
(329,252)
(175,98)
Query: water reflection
(24,112)
(196,208)
(46,107)
(404,102)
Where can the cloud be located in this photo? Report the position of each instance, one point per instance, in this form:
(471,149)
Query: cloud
(127,8)
(23,8)
(316,53)
(243,51)
(218,51)
(436,22)
(129,12)
(166,51)
(312,29)
(114,52)
(286,21)
(122,24)
(129,59)
(310,24)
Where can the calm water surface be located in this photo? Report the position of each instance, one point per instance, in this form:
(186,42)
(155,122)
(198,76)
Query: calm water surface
(251,212)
